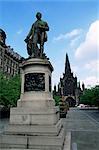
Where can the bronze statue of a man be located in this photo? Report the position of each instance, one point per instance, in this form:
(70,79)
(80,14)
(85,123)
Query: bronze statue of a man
(37,35)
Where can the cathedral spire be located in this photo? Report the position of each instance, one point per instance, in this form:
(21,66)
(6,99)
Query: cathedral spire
(67,65)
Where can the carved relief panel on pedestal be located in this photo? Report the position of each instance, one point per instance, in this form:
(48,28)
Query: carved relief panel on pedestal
(34,82)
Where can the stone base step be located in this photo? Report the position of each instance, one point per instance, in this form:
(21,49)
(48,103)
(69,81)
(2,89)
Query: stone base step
(33,142)
(67,145)
(22,115)
(34,129)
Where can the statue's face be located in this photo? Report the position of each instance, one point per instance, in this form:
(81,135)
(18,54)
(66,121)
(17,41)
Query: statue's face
(38,16)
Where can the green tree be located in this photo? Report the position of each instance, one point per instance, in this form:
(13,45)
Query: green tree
(9,90)
(14,87)
(3,90)
(90,96)
(57,99)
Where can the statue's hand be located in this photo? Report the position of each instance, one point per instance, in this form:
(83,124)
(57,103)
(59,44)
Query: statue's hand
(42,27)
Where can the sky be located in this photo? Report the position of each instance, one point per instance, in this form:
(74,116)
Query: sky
(74,29)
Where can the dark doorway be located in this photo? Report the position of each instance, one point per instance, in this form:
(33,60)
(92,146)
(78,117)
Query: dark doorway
(71,101)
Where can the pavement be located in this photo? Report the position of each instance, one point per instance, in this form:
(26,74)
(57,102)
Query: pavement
(84,128)
(3,122)
(81,125)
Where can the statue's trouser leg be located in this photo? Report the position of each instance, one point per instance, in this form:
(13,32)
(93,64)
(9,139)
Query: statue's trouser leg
(42,43)
(34,49)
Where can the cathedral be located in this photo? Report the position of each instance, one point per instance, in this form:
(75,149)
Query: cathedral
(68,87)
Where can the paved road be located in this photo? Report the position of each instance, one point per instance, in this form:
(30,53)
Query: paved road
(3,123)
(93,113)
(84,127)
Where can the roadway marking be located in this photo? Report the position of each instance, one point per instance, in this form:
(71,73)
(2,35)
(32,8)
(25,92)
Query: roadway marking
(95,121)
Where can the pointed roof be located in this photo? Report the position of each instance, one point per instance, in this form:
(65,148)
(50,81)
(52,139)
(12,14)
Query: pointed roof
(78,85)
(67,65)
(83,86)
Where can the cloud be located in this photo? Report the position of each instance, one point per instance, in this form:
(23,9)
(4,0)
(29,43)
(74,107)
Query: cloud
(93,66)
(74,33)
(91,81)
(19,31)
(74,69)
(90,45)
(74,41)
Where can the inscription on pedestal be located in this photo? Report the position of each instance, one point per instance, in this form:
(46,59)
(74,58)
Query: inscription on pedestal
(34,82)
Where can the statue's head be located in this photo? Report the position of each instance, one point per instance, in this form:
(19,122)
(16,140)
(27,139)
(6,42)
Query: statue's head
(38,15)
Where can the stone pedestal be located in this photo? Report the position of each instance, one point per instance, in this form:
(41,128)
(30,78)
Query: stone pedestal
(35,122)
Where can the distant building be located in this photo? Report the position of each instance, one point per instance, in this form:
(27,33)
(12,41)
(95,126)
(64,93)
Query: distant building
(9,59)
(68,86)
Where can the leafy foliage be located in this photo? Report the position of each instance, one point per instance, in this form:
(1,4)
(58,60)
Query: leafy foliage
(57,99)
(90,96)
(9,90)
